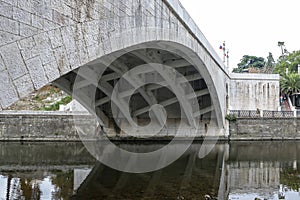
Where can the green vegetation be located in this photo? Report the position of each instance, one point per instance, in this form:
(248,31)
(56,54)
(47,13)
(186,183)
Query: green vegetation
(38,98)
(290,178)
(55,106)
(230,117)
(63,182)
(290,62)
(286,65)
(249,62)
(45,92)
(290,83)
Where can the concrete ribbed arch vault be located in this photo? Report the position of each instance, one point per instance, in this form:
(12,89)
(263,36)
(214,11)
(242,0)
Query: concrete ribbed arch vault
(116,64)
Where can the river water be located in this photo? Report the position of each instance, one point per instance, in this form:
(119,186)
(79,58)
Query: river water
(235,170)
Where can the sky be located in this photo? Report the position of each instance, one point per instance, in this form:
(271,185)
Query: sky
(248,27)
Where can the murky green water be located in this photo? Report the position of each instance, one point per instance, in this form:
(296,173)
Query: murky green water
(236,170)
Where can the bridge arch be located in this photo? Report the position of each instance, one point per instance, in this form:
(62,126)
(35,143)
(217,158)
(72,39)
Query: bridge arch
(114,65)
(50,54)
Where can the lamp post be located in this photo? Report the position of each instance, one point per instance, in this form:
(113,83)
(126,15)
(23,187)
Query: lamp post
(281,44)
(225,54)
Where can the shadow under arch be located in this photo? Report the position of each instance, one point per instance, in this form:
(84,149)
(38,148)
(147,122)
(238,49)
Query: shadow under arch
(184,57)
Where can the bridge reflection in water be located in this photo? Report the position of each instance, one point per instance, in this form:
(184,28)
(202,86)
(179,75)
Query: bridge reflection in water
(238,170)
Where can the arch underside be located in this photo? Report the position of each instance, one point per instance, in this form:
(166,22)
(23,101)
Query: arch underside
(102,75)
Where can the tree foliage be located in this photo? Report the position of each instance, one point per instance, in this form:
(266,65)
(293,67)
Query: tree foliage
(249,62)
(289,61)
(290,83)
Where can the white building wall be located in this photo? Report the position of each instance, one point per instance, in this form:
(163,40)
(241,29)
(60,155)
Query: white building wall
(254,91)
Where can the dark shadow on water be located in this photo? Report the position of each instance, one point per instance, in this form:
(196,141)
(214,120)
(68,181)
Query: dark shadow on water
(244,170)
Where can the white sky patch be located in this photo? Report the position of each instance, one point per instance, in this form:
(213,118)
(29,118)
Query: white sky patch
(3,187)
(46,188)
(248,27)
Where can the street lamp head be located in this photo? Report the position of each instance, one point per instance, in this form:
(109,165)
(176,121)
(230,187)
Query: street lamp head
(280,44)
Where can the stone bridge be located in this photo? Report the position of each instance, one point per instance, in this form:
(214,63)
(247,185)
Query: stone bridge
(50,41)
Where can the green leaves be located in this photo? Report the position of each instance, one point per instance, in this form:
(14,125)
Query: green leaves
(290,83)
(55,106)
(290,62)
(250,62)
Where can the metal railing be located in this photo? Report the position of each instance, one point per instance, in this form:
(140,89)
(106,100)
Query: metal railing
(262,114)
(278,114)
(245,113)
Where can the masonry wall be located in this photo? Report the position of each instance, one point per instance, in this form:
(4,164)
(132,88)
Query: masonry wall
(265,129)
(37,126)
(252,91)
(55,126)
(59,126)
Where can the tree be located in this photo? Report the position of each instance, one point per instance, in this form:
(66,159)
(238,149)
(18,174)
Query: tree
(289,62)
(290,83)
(270,60)
(269,66)
(249,62)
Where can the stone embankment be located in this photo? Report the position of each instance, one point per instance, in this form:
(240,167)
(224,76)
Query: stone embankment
(265,129)
(38,126)
(59,126)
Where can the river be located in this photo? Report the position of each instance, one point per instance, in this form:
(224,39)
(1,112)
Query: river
(234,170)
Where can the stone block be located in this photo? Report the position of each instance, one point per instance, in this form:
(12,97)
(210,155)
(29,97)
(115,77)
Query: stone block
(59,18)
(27,30)
(7,90)
(27,46)
(12,59)
(9,25)
(36,72)
(51,70)
(24,85)
(42,43)
(47,56)
(11,2)
(6,38)
(21,15)
(55,38)
(68,10)
(68,39)
(83,52)
(49,25)
(44,9)
(90,39)
(2,66)
(62,60)
(95,51)
(74,59)
(70,3)
(56,3)
(28,5)
(37,21)
(6,9)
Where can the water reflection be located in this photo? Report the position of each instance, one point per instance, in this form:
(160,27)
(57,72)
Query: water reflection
(238,170)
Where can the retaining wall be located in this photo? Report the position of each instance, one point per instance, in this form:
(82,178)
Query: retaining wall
(59,126)
(25,125)
(265,129)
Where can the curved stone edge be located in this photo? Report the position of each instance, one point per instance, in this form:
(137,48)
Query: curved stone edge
(187,20)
